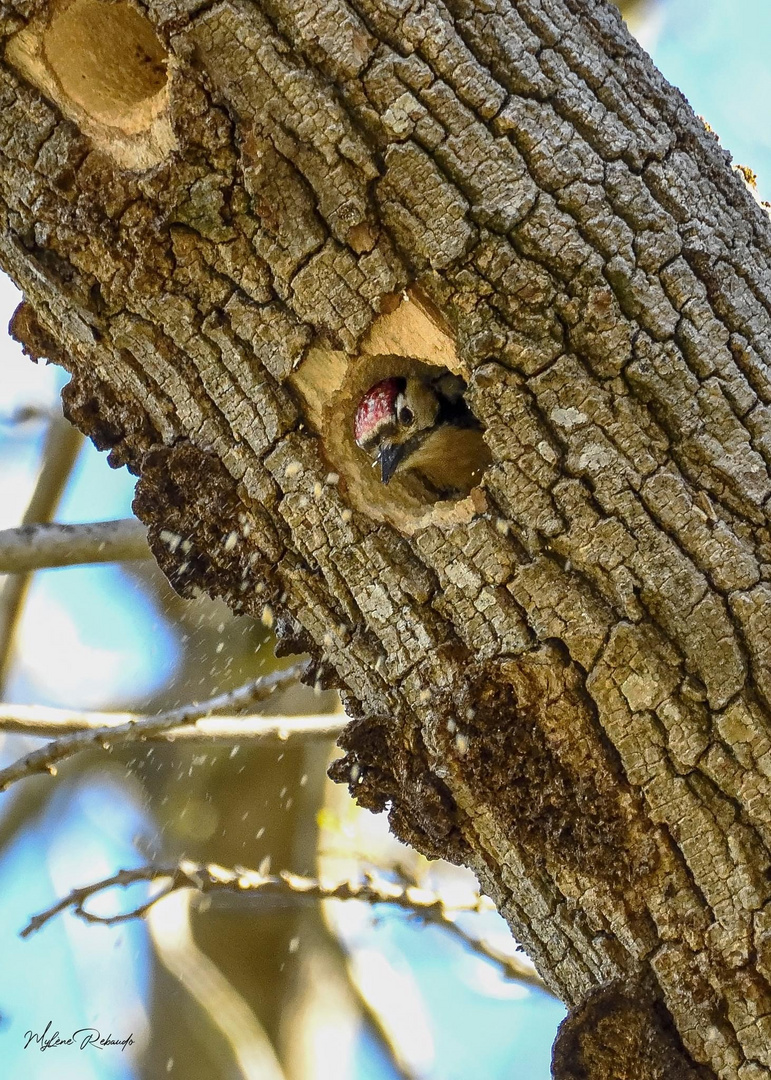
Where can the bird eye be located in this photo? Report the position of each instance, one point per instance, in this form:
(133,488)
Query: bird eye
(406,415)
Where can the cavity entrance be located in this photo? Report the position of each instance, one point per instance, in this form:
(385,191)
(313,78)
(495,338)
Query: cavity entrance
(108,60)
(106,69)
(409,341)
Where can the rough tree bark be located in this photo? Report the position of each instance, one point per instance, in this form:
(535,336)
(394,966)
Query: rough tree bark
(229,219)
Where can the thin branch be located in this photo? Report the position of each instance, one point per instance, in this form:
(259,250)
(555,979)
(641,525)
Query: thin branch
(380,1030)
(248,1045)
(511,966)
(39,721)
(44,760)
(62,445)
(35,547)
(26,413)
(60,451)
(424,904)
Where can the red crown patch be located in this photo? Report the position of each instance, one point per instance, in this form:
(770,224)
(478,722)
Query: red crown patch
(377,405)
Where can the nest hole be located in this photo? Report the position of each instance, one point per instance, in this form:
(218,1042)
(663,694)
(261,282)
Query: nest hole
(410,337)
(105,67)
(409,500)
(108,60)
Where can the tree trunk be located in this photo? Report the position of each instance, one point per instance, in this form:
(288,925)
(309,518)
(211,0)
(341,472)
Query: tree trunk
(230,219)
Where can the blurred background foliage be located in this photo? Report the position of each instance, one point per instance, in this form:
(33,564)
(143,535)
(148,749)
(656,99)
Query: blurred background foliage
(241,986)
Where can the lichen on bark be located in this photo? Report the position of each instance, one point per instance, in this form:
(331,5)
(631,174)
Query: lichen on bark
(563,681)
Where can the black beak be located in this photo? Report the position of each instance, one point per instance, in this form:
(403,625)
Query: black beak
(389,457)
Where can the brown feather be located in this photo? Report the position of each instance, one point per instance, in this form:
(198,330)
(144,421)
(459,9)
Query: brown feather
(450,458)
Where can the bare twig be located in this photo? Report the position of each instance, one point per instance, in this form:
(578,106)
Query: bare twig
(424,904)
(44,760)
(511,966)
(39,721)
(61,449)
(34,547)
(209,878)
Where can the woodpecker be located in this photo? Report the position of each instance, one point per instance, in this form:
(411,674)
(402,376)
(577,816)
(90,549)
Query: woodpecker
(425,426)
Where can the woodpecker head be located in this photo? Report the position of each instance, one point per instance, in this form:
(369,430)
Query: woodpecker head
(392,419)
(424,424)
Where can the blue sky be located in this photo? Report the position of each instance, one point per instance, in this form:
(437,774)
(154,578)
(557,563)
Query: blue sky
(717,53)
